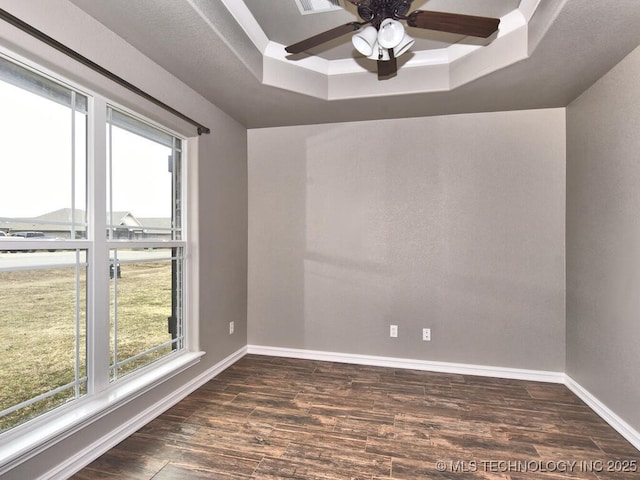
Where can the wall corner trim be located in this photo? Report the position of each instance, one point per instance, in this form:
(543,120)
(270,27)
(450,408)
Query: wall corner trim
(412,364)
(617,423)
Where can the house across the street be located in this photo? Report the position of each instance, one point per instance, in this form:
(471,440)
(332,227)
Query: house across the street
(59,223)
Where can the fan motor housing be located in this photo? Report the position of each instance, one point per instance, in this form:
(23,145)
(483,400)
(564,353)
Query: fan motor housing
(375,11)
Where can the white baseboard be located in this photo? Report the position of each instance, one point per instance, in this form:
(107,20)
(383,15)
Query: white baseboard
(618,424)
(81,459)
(412,364)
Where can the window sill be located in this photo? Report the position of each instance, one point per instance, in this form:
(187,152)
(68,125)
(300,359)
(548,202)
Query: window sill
(26,441)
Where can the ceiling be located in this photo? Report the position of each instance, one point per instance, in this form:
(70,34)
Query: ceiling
(230,51)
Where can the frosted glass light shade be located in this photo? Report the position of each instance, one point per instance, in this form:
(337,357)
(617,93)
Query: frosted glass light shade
(391,33)
(404,45)
(364,40)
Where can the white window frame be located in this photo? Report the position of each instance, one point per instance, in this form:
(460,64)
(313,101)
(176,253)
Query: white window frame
(25,441)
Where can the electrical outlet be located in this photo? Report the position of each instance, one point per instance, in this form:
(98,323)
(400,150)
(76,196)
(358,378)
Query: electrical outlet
(232,327)
(393,331)
(426,334)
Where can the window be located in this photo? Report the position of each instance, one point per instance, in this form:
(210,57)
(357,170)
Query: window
(144,208)
(54,248)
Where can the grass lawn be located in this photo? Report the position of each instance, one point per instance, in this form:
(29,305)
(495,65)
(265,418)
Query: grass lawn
(38,330)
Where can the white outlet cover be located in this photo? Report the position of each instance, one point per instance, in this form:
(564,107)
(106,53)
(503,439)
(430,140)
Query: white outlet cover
(426,334)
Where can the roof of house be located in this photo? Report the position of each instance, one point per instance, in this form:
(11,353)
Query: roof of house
(62,219)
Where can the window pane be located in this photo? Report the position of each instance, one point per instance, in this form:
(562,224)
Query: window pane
(77,217)
(35,83)
(142,188)
(40,195)
(146,305)
(43,316)
(141,129)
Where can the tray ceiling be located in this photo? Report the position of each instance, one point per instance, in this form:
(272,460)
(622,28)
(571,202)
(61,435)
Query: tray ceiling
(560,48)
(282,23)
(437,62)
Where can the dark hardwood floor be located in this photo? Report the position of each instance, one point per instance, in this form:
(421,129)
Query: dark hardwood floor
(269,418)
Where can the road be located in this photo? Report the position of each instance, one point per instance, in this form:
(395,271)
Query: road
(21,260)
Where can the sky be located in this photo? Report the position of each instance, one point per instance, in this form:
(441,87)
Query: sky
(35,161)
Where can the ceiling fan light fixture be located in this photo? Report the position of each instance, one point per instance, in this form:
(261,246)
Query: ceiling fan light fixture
(385,38)
(375,43)
(391,33)
(365,40)
(405,44)
(379,53)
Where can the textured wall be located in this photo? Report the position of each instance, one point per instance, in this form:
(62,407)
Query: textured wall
(454,223)
(603,240)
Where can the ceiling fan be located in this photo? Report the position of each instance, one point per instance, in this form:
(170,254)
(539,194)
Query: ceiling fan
(384,37)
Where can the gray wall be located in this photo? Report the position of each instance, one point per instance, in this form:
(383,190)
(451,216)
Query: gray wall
(603,240)
(221,182)
(454,223)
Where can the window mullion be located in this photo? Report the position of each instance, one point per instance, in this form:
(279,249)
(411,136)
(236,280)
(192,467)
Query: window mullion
(77,325)
(98,316)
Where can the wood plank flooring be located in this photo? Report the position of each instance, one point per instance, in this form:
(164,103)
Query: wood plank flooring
(275,418)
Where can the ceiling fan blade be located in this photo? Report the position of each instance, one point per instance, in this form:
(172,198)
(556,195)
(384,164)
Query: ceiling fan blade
(322,38)
(388,68)
(454,23)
